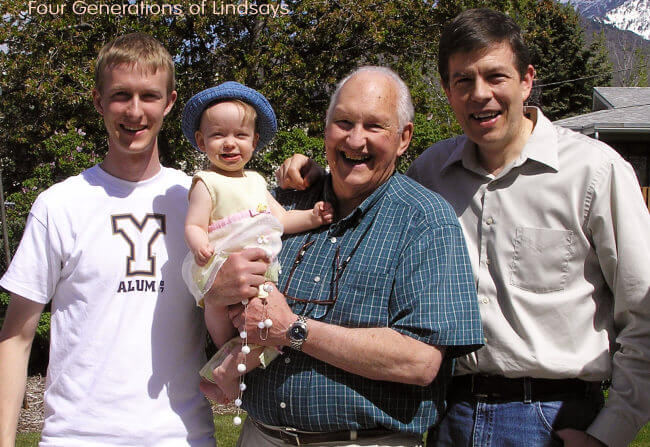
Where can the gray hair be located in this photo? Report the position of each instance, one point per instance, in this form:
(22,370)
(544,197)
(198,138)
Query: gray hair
(405,111)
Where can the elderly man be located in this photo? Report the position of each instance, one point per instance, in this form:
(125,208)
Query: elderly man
(374,307)
(560,246)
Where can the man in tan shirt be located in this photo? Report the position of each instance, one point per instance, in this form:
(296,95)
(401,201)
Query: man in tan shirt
(559,241)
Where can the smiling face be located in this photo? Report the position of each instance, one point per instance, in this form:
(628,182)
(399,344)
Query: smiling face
(487,95)
(363,138)
(227,136)
(133,103)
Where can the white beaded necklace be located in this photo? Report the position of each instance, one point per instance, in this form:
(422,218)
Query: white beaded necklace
(263,327)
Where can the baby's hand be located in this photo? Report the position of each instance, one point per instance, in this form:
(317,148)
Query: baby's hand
(324,212)
(203,255)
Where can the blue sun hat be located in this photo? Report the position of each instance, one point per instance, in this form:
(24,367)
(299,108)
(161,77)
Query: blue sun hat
(266,125)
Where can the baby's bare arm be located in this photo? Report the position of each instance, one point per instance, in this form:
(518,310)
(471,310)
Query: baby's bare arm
(296,221)
(219,325)
(196,223)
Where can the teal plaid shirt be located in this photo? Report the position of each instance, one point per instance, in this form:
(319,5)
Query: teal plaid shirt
(410,272)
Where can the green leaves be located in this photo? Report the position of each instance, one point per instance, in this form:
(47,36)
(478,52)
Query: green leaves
(294,58)
(559,53)
(49,129)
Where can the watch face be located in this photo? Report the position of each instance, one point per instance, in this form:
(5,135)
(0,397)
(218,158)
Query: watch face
(297,332)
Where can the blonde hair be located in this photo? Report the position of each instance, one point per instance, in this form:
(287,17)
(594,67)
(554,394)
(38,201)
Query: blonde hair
(135,49)
(249,112)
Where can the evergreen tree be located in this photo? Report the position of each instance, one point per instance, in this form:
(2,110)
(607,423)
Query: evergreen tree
(558,49)
(49,129)
(294,58)
(559,54)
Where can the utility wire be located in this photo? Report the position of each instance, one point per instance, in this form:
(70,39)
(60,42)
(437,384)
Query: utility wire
(624,107)
(590,77)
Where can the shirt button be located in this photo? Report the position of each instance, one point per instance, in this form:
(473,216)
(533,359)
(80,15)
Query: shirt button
(333,240)
(489,221)
(484,300)
(287,360)
(487,261)
(283,405)
(317,279)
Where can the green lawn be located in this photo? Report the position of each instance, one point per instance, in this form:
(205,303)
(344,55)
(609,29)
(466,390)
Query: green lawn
(27,439)
(227,434)
(225,431)
(643,439)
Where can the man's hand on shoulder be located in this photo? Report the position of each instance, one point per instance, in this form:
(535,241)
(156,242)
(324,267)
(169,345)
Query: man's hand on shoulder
(298,172)
(578,438)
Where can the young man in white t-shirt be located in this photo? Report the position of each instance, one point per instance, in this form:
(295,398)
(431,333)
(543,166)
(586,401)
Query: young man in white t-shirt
(105,247)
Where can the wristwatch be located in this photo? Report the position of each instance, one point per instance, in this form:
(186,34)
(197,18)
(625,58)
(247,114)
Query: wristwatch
(297,333)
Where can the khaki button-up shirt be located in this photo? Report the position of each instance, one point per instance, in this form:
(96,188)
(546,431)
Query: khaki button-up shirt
(559,242)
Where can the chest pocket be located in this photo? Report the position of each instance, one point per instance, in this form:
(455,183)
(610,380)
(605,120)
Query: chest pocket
(541,258)
(363,299)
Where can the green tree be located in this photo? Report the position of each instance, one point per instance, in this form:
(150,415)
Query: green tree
(558,48)
(294,59)
(559,53)
(49,128)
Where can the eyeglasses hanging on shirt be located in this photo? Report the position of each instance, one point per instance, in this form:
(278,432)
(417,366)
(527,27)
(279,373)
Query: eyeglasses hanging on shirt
(338,268)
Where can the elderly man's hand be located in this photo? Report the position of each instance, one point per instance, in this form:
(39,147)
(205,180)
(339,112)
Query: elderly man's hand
(577,438)
(239,277)
(276,308)
(298,172)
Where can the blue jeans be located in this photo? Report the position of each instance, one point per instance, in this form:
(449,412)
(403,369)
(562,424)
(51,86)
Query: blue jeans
(477,422)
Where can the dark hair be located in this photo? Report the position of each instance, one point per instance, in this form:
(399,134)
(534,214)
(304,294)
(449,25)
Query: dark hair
(478,29)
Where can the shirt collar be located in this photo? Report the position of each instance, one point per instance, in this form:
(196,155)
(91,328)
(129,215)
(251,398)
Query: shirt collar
(541,146)
(464,146)
(360,211)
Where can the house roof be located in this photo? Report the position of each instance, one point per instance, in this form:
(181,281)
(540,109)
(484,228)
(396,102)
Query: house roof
(628,112)
(617,97)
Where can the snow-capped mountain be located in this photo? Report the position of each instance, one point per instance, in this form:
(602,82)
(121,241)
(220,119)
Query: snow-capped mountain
(593,8)
(633,15)
(630,15)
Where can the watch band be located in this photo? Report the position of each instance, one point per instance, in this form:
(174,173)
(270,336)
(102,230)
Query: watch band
(296,343)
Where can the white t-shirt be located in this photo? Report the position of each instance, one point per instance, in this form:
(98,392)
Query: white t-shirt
(126,336)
